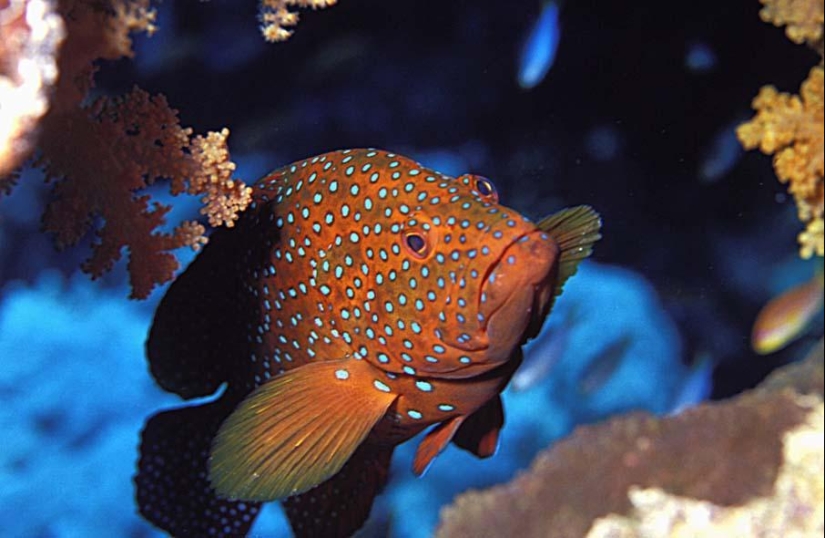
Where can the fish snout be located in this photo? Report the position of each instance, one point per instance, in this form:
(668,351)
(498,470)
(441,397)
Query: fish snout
(516,294)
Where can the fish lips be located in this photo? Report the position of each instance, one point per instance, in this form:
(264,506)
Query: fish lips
(515,295)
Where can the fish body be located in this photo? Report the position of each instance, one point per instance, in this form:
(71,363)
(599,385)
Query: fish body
(721,154)
(700,57)
(539,50)
(543,354)
(785,317)
(361,299)
(697,386)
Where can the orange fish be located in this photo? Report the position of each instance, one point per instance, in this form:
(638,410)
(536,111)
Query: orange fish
(784,318)
(360,299)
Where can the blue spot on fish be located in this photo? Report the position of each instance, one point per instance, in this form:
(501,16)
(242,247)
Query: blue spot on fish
(381,386)
(423,386)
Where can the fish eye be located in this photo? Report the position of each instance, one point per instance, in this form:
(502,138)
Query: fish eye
(485,187)
(417,244)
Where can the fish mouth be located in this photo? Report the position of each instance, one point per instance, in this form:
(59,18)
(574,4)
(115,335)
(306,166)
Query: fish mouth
(516,293)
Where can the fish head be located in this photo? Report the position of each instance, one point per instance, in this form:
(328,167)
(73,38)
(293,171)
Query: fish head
(500,271)
(481,276)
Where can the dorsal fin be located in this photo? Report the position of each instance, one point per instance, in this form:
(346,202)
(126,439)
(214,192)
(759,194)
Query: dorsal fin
(575,229)
(198,331)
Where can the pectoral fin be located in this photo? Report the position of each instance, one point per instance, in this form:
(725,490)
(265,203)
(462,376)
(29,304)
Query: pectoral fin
(479,433)
(433,443)
(296,430)
(575,229)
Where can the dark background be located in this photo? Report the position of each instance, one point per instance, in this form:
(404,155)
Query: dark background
(620,122)
(424,76)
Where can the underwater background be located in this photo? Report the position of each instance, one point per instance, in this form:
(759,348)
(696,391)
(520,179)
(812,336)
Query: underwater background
(635,116)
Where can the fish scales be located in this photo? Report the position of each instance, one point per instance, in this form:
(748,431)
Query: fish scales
(365,298)
(336,281)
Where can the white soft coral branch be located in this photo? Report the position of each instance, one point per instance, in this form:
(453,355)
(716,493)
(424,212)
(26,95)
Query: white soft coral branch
(276,17)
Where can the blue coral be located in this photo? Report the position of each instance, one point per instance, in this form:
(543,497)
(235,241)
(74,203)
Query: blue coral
(75,391)
(74,395)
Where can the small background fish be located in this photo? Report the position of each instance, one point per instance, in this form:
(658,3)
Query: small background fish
(540,46)
(784,318)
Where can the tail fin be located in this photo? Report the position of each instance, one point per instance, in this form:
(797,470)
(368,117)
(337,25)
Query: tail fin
(340,506)
(172,488)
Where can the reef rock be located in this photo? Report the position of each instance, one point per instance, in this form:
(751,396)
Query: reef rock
(748,466)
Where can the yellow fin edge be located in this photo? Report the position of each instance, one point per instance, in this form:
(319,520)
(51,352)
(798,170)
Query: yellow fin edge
(575,230)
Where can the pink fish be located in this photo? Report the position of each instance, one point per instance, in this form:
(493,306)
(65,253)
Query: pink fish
(786,316)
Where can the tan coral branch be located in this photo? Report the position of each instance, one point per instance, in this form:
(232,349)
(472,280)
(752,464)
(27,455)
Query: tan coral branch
(101,156)
(31,36)
(118,147)
(803,19)
(276,18)
(790,128)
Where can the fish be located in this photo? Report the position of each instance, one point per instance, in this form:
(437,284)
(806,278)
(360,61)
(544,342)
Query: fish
(700,57)
(539,363)
(539,50)
(697,386)
(361,299)
(721,155)
(604,365)
(543,353)
(785,317)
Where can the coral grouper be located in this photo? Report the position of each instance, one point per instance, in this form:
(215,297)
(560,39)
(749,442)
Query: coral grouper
(359,300)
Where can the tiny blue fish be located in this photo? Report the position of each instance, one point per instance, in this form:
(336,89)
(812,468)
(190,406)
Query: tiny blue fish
(697,386)
(540,47)
(700,57)
(603,367)
(543,354)
(721,154)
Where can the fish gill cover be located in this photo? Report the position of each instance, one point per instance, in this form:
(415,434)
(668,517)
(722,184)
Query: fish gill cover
(615,123)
